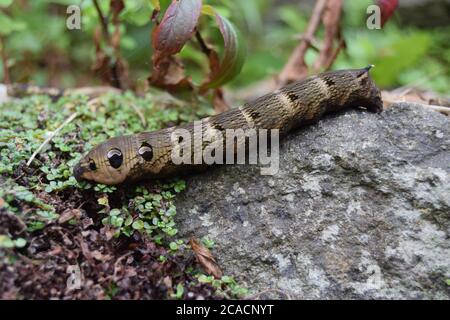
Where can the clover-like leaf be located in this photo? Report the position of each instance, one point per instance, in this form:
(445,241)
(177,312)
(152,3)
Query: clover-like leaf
(138,224)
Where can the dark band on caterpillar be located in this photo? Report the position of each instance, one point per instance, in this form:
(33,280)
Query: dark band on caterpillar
(148,155)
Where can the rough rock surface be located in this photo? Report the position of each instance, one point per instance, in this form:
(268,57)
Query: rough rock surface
(360,208)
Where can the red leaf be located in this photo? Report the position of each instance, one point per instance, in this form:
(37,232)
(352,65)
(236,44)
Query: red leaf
(116,7)
(176,27)
(387,8)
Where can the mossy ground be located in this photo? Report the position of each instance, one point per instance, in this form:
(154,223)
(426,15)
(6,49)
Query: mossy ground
(123,240)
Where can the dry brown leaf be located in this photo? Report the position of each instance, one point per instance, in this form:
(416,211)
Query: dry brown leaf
(85,250)
(100,256)
(55,251)
(87,222)
(168,38)
(108,232)
(69,214)
(331,21)
(205,259)
(169,74)
(168,283)
(426,100)
(102,61)
(413,95)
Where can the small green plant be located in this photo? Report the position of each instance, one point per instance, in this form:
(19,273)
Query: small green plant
(18,198)
(226,286)
(179,293)
(208,243)
(111,291)
(176,245)
(27,122)
(7,243)
(143,211)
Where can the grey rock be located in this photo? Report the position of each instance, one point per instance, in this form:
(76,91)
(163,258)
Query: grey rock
(360,209)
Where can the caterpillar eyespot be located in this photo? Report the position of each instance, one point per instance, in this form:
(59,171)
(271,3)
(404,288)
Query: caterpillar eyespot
(92,165)
(115,158)
(146,151)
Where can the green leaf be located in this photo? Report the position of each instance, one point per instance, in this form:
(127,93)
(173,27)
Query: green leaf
(114,212)
(128,221)
(292,17)
(34,225)
(208,243)
(172,232)
(155,4)
(233,55)
(5,3)
(137,13)
(208,10)
(7,25)
(216,283)
(20,242)
(205,279)
(103,201)
(138,225)
(180,186)
(180,291)
(399,55)
(173,246)
(6,242)
(227,279)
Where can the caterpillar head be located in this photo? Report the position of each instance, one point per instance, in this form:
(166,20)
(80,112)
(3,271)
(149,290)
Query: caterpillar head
(352,88)
(365,93)
(126,159)
(107,163)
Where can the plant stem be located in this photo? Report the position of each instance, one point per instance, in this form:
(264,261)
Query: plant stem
(6,77)
(203,46)
(296,68)
(103,20)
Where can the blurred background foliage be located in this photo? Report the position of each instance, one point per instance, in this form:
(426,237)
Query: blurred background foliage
(40,49)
